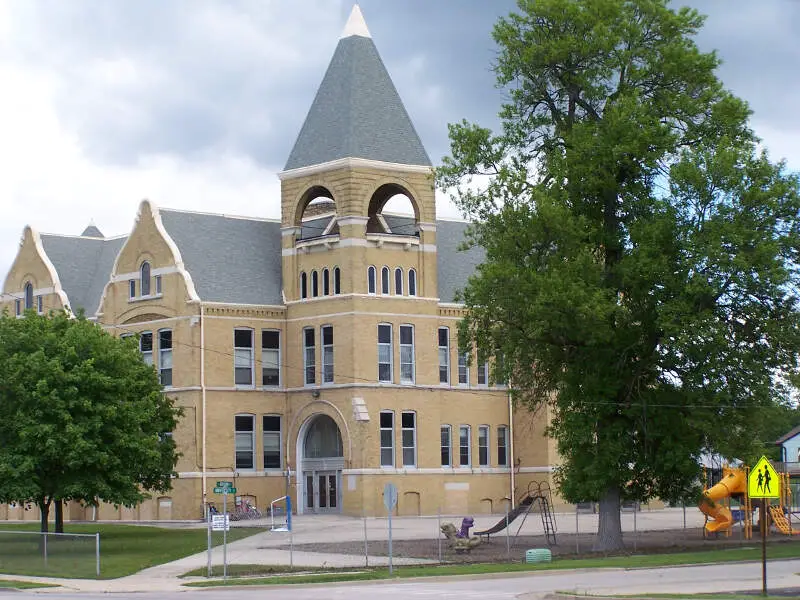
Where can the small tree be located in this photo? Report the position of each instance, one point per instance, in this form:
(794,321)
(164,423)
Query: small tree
(84,417)
(641,255)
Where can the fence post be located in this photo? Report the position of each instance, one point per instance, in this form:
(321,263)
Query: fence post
(577,532)
(44,548)
(97,553)
(366,544)
(508,538)
(439,531)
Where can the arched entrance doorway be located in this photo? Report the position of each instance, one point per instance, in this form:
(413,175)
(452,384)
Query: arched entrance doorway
(319,443)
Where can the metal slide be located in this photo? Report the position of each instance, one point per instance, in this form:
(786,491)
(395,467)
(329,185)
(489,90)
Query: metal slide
(537,492)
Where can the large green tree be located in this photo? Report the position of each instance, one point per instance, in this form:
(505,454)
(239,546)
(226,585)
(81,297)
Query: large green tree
(641,252)
(83,417)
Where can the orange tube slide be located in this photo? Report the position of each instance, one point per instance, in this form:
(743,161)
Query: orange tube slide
(734,482)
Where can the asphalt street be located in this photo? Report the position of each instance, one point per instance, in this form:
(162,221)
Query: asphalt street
(697,579)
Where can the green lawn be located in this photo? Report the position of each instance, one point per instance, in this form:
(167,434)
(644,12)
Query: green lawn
(124,549)
(625,562)
(23,585)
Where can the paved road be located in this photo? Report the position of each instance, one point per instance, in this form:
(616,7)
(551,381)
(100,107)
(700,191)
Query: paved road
(711,578)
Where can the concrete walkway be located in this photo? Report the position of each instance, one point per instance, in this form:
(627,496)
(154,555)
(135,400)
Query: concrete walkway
(262,548)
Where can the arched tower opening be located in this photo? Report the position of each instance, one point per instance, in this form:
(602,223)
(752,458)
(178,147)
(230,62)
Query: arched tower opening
(316,214)
(320,453)
(393,211)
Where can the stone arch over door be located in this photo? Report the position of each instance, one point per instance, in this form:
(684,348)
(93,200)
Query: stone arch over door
(320,449)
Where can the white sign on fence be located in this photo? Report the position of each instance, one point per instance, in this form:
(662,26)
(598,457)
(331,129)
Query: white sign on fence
(220,522)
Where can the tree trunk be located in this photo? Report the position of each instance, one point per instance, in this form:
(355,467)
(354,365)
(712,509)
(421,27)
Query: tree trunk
(44,509)
(59,516)
(609,530)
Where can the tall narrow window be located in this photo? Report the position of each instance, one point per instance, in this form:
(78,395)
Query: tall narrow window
(243,356)
(502,446)
(385,352)
(272,441)
(303,285)
(464,446)
(385,280)
(444,355)
(146,346)
(326,282)
(483,369)
(132,288)
(327,354)
(398,281)
(40,304)
(270,357)
(412,282)
(387,438)
(144,278)
(499,370)
(337,280)
(28,296)
(406,354)
(483,446)
(18,307)
(408,433)
(244,428)
(158,284)
(463,368)
(165,356)
(371,280)
(309,356)
(314,284)
(447,446)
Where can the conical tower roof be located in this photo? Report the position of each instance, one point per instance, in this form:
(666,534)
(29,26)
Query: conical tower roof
(357,112)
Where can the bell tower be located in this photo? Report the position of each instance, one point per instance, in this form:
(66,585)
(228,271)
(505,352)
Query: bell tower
(356,151)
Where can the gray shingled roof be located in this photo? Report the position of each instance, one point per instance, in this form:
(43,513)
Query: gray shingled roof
(357,113)
(83,265)
(230,259)
(455,266)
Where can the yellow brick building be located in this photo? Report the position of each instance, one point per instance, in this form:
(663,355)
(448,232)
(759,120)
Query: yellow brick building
(316,355)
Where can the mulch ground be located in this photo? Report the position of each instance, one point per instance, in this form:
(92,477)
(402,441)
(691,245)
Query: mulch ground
(502,549)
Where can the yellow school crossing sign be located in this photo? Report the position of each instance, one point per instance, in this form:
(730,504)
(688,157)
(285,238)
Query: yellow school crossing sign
(763,481)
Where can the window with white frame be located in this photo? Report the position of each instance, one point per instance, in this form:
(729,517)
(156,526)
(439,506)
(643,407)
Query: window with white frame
(146,347)
(483,446)
(387,438)
(464,450)
(412,282)
(243,356)
(326,282)
(371,280)
(337,280)
(327,353)
(132,288)
(303,285)
(314,284)
(385,280)
(502,446)
(271,425)
(271,357)
(398,281)
(245,441)
(406,354)
(408,435)
(447,445)
(157,279)
(165,357)
(463,368)
(444,355)
(309,356)
(28,296)
(483,369)
(144,278)
(385,352)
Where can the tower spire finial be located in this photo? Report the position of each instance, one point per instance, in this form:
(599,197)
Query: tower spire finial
(356,24)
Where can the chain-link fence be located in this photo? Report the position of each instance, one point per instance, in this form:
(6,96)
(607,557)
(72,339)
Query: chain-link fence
(43,554)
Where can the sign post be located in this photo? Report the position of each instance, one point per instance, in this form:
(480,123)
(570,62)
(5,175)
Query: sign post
(764,483)
(390,501)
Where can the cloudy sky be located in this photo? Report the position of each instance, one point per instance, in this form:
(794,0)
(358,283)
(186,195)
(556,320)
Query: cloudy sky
(195,104)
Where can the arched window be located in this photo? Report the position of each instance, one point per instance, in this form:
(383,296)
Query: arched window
(412,282)
(385,280)
(303,285)
(371,280)
(398,281)
(28,295)
(337,280)
(314,284)
(144,278)
(326,282)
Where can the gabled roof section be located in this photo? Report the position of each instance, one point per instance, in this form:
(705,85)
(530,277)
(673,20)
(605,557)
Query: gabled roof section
(83,265)
(230,259)
(787,436)
(455,266)
(357,112)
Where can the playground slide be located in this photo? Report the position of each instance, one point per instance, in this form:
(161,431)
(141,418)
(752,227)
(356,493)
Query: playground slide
(734,482)
(780,521)
(502,523)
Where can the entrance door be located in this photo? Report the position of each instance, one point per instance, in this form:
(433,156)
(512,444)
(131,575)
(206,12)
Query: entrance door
(322,491)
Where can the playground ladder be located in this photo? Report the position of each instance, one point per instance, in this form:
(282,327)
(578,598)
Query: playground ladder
(548,523)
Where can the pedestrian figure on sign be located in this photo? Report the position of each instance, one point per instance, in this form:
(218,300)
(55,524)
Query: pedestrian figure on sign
(760,480)
(767,479)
